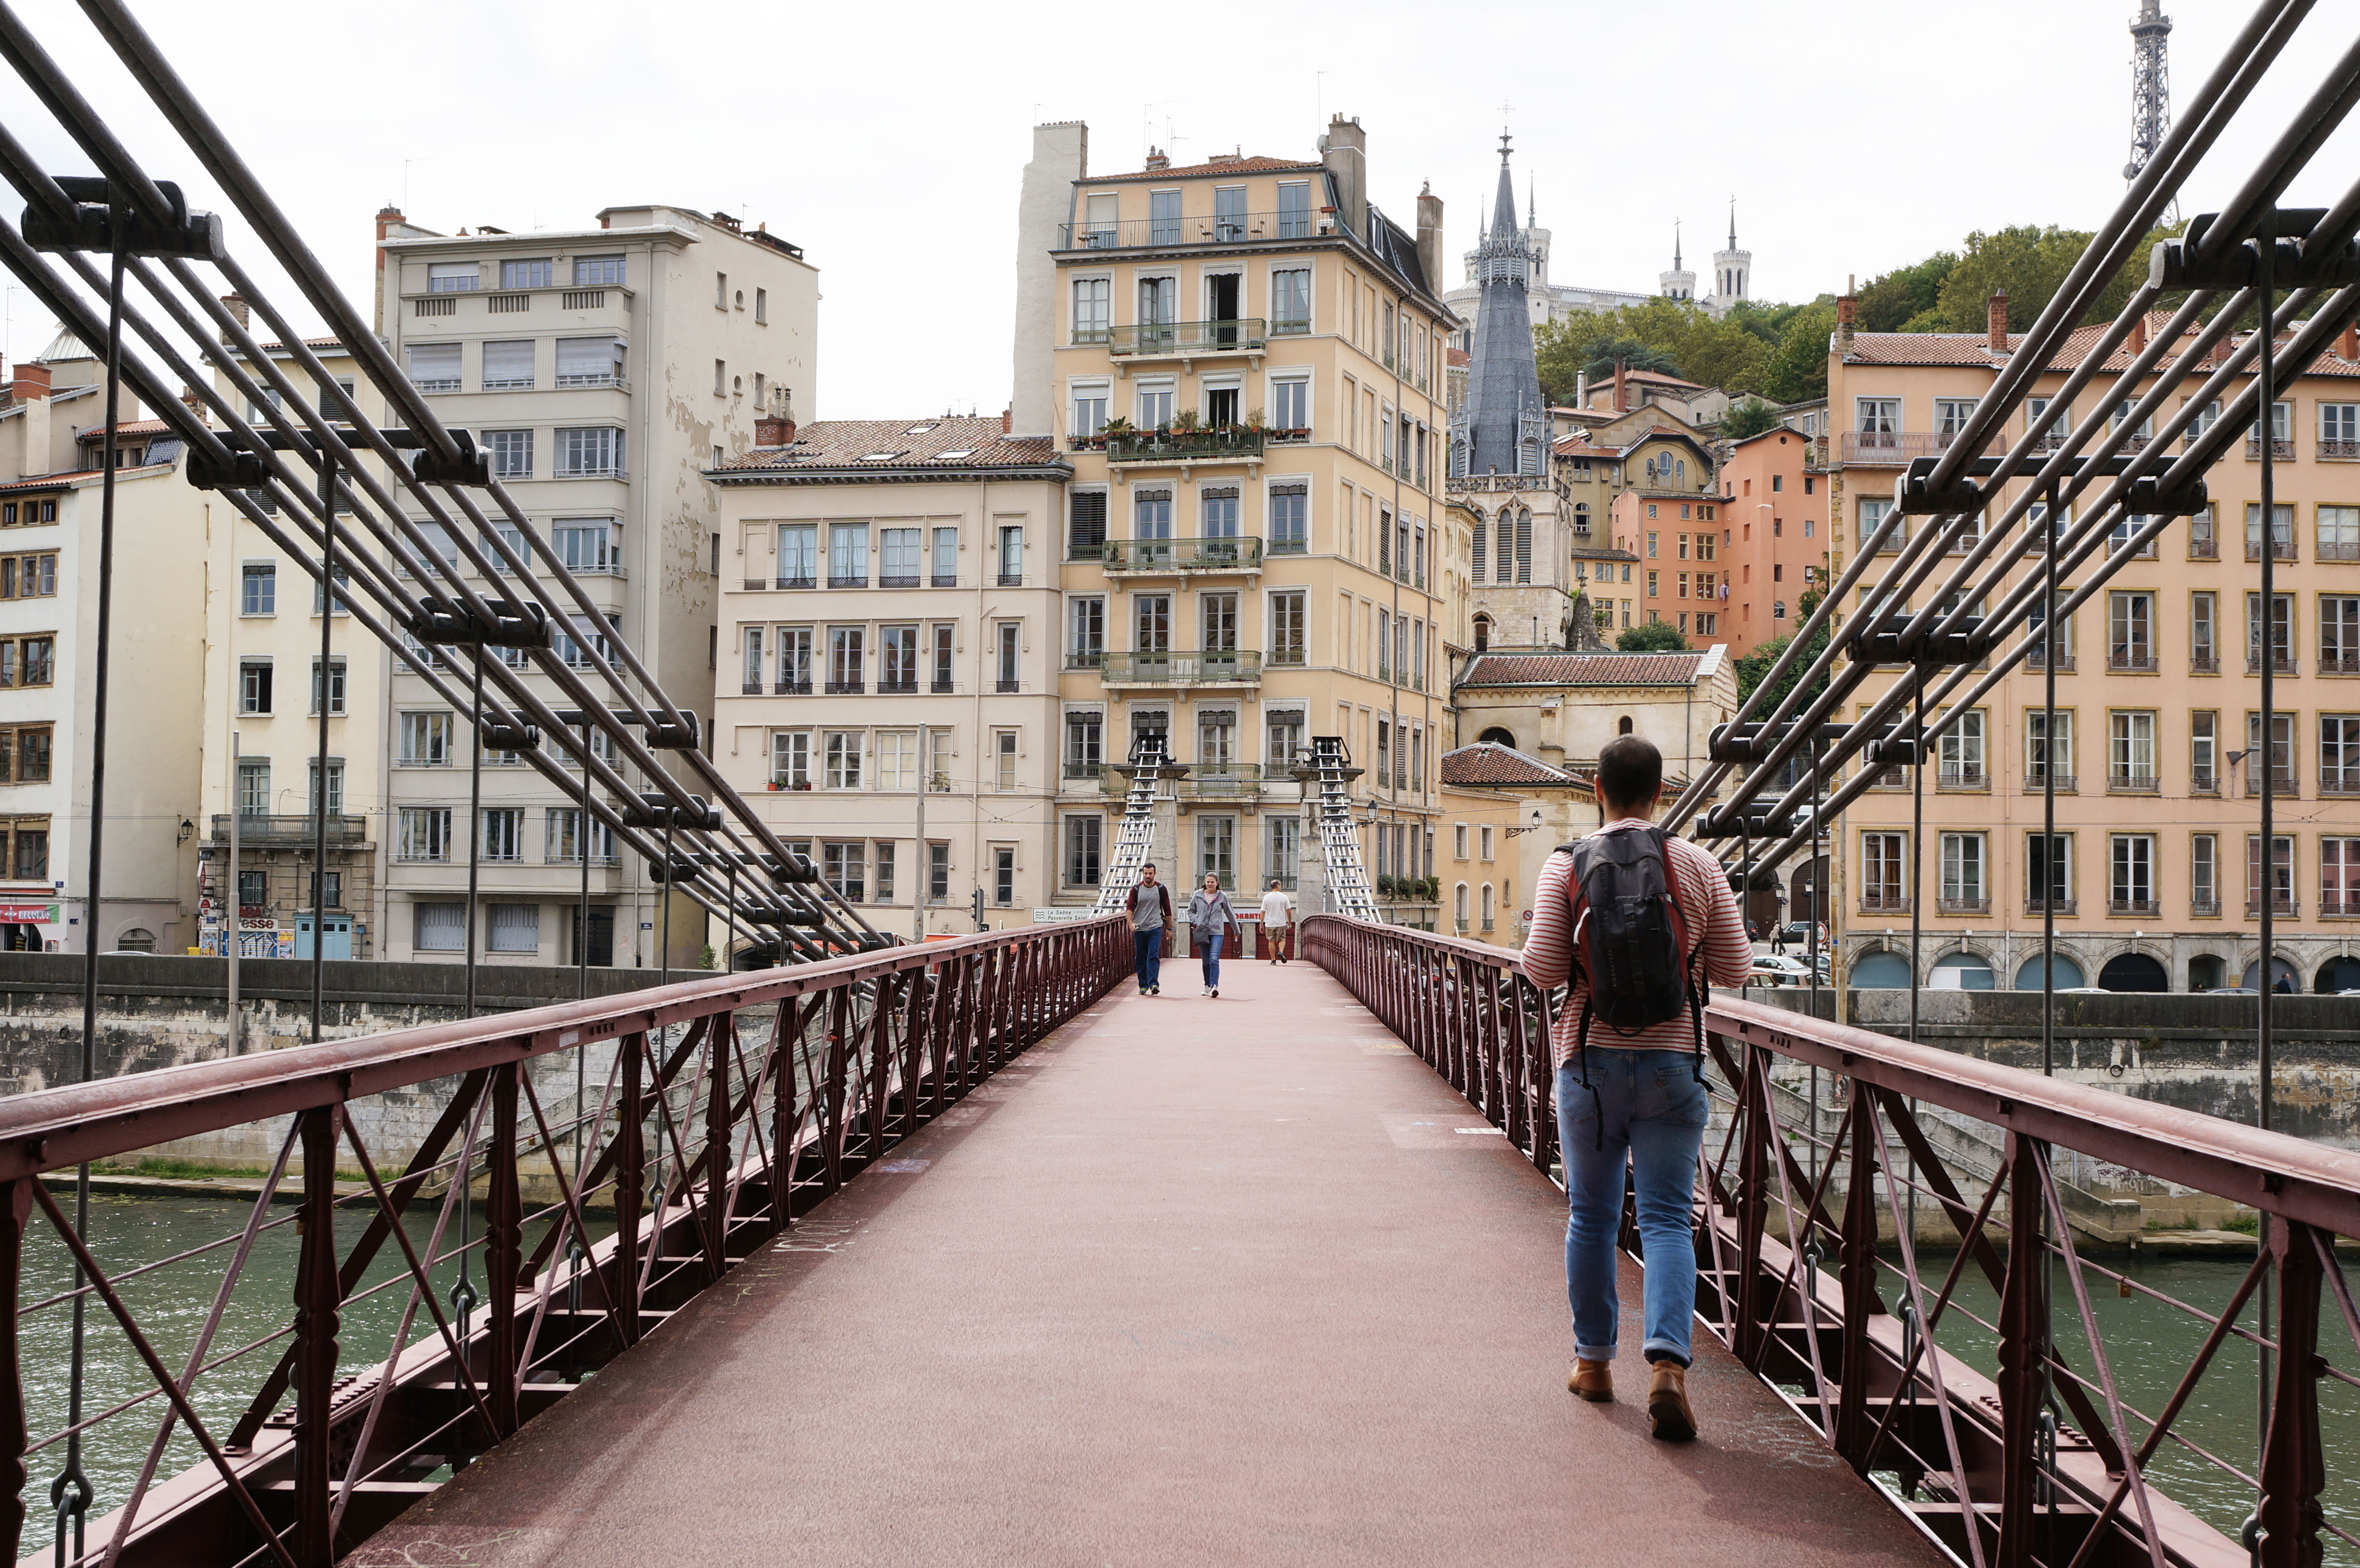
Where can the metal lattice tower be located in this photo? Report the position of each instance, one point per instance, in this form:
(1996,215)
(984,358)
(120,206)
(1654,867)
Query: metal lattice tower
(1134,836)
(2150,85)
(1348,883)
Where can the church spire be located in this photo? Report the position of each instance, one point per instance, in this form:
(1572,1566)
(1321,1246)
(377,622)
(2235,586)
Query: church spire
(1500,427)
(1676,244)
(1732,222)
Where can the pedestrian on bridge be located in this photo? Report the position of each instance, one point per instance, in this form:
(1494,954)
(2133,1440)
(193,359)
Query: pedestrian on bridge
(1213,923)
(1150,904)
(1277,922)
(1633,1093)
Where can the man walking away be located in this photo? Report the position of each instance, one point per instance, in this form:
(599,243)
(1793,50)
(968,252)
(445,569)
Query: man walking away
(1150,929)
(1277,927)
(1648,919)
(1213,923)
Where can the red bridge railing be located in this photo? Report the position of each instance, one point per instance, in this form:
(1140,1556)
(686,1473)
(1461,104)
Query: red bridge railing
(1810,1271)
(709,1115)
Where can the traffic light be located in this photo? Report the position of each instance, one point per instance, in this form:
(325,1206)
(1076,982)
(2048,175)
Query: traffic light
(978,910)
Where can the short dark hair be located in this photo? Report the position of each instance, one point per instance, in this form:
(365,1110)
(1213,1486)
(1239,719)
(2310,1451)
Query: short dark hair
(1147,866)
(1630,771)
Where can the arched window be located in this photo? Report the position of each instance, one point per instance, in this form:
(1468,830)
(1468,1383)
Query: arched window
(2339,973)
(1478,553)
(1880,971)
(1523,544)
(1498,736)
(1581,516)
(1487,905)
(2068,975)
(1622,726)
(1482,628)
(1458,906)
(138,939)
(1506,541)
(1962,971)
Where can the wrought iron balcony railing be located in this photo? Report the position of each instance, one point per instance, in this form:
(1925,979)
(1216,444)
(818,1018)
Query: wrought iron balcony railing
(2134,906)
(1245,334)
(1882,448)
(1182,555)
(254,828)
(1200,229)
(1882,903)
(1221,781)
(2203,907)
(1962,776)
(2205,662)
(2129,783)
(2066,908)
(2282,782)
(1977,906)
(1221,666)
(2134,657)
(1226,445)
(2034,783)
(2203,548)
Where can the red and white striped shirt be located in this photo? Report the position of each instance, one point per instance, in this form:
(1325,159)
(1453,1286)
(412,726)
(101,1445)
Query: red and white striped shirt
(1707,906)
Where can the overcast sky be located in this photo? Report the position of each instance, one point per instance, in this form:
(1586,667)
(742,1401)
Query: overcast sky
(888,140)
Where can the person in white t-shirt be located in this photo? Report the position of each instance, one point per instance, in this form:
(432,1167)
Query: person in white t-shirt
(1277,923)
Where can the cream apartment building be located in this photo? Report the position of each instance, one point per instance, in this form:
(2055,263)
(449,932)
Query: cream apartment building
(260,744)
(2159,758)
(605,370)
(889,694)
(1244,359)
(52,471)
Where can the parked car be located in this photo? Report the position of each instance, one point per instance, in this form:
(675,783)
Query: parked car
(1774,970)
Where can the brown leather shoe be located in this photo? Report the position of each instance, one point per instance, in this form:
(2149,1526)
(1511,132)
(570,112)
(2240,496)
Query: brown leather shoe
(1668,1404)
(1591,1380)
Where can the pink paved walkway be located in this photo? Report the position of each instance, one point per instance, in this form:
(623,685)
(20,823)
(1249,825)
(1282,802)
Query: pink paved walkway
(1195,1282)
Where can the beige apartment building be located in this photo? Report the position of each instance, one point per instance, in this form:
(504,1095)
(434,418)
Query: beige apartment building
(2159,758)
(1244,360)
(891,605)
(605,370)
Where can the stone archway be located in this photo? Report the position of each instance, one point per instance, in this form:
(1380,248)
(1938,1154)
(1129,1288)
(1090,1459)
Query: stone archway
(1879,969)
(2134,972)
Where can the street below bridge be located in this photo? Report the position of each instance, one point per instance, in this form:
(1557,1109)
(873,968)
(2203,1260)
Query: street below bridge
(1234,1281)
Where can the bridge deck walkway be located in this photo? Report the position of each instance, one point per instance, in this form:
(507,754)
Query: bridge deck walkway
(1193,1281)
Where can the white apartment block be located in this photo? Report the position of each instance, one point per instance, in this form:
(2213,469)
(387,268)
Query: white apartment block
(890,613)
(605,370)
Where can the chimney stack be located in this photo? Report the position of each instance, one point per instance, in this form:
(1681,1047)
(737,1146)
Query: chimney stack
(772,432)
(1621,406)
(1156,159)
(1345,151)
(2137,341)
(1007,418)
(1429,237)
(235,305)
(1996,321)
(2347,345)
(1847,314)
(195,402)
(31,385)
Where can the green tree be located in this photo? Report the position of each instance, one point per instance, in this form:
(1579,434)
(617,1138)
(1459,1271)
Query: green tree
(1797,369)
(1894,298)
(1752,668)
(1651,636)
(1749,416)
(2030,264)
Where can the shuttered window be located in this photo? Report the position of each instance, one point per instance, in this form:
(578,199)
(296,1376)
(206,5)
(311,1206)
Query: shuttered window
(589,362)
(1086,529)
(435,367)
(508,363)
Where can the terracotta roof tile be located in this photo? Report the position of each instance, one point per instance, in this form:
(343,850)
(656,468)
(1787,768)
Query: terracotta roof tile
(898,445)
(1489,763)
(1457,356)
(1973,348)
(1582,670)
(134,428)
(1255,165)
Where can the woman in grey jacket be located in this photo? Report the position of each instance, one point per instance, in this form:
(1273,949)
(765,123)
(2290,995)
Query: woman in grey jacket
(1212,922)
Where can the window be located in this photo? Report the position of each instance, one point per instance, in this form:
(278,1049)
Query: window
(1085,744)
(254,796)
(1484,839)
(2281,876)
(1003,875)
(589,451)
(898,557)
(1151,623)
(1295,210)
(2130,751)
(2339,753)
(1883,886)
(422,832)
(562,838)
(938,873)
(1003,757)
(502,833)
(258,591)
(433,367)
(1878,420)
(847,555)
(1217,849)
(843,751)
(2281,633)
(1284,727)
(2054,860)
(336,803)
(453,277)
(1090,326)
(2281,531)
(2203,633)
(2339,875)
(1086,528)
(1289,617)
(799,555)
(1960,752)
(790,760)
(2205,874)
(1010,655)
(426,739)
(897,759)
(1011,558)
(846,867)
(2281,759)
(2130,631)
(847,659)
(2203,753)
(2040,757)
(589,362)
(508,364)
(1963,888)
(2130,887)
(794,661)
(2281,433)
(1083,867)
(29,576)
(1218,616)
(336,686)
(439,928)
(2339,634)
(591,271)
(253,678)
(515,928)
(1086,628)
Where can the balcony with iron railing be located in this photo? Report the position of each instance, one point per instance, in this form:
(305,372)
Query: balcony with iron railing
(2334,662)
(792,688)
(2283,548)
(2039,659)
(2035,782)
(1892,449)
(2339,903)
(2127,781)
(1199,229)
(1962,776)
(2280,664)
(2204,781)
(1975,906)
(2335,550)
(261,830)
(2340,781)
(1086,658)
(2150,907)
(2203,908)
(2282,782)
(1878,901)
(2130,658)
(1221,781)
(2339,451)
(1180,557)
(2281,450)
(2064,909)
(2282,904)
(1226,444)
(1076,769)
(1183,340)
(2203,662)
(1221,666)
(2204,547)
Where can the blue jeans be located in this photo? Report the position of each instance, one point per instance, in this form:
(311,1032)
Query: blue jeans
(1208,949)
(1655,1113)
(1149,947)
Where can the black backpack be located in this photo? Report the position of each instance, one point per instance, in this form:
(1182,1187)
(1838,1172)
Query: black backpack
(1630,940)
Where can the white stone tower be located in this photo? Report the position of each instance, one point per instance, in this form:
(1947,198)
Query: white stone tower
(1679,283)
